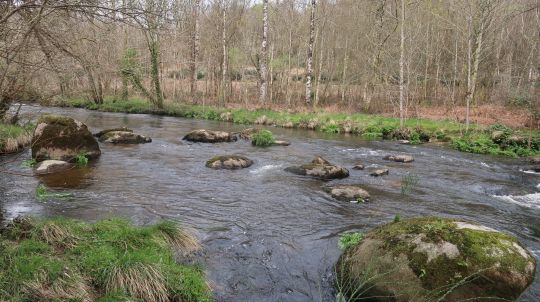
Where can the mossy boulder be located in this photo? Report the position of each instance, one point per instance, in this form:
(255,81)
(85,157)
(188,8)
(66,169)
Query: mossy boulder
(320,168)
(124,137)
(436,259)
(247,133)
(229,162)
(209,136)
(352,193)
(62,138)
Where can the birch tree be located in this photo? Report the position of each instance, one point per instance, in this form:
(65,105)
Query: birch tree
(264,55)
(309,62)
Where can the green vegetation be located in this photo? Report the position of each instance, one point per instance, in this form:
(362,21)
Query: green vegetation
(408,183)
(14,137)
(349,240)
(69,260)
(477,140)
(81,160)
(43,193)
(29,163)
(263,138)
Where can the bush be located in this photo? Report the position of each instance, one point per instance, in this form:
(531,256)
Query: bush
(263,138)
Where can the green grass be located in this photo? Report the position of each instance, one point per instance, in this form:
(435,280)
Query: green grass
(81,160)
(349,240)
(14,137)
(263,138)
(70,260)
(368,126)
(42,193)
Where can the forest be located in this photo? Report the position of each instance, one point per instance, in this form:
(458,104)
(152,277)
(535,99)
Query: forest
(269,150)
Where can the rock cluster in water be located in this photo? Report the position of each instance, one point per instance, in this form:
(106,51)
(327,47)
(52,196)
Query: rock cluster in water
(121,136)
(230,162)
(352,193)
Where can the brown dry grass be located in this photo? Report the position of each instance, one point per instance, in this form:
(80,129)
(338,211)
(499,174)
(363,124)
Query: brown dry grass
(71,286)
(142,281)
(15,144)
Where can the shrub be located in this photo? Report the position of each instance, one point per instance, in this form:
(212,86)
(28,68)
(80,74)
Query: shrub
(263,138)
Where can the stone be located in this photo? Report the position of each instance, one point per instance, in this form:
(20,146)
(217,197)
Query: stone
(209,136)
(399,158)
(288,125)
(348,193)
(320,168)
(52,166)
(102,132)
(124,137)
(230,162)
(359,166)
(246,134)
(497,136)
(413,259)
(281,143)
(379,172)
(62,138)
(535,160)
(226,116)
(263,120)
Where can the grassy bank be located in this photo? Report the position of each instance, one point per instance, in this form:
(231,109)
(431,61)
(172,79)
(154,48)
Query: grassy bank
(523,143)
(13,137)
(69,260)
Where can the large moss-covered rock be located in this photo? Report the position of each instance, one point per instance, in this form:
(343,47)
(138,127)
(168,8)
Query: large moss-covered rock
(62,138)
(436,259)
(209,136)
(320,168)
(230,162)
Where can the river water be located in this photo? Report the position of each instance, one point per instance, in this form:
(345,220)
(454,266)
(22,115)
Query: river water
(269,235)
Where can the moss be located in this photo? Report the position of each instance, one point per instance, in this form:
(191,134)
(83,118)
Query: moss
(57,120)
(479,250)
(107,261)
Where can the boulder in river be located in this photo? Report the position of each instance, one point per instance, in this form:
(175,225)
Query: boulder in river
(535,160)
(288,125)
(281,143)
(436,259)
(320,168)
(102,132)
(124,137)
(209,136)
(230,162)
(52,166)
(62,138)
(379,172)
(353,193)
(359,166)
(247,133)
(399,158)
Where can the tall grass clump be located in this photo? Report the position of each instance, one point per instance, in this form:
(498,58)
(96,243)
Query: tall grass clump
(14,138)
(263,138)
(70,260)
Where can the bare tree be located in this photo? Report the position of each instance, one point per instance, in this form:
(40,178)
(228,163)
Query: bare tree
(264,55)
(309,63)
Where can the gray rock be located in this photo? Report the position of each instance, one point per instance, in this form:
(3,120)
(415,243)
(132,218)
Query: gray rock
(320,168)
(230,162)
(399,158)
(52,166)
(379,172)
(359,167)
(209,136)
(348,193)
(102,132)
(124,137)
(281,143)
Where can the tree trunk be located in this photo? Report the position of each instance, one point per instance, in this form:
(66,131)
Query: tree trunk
(401,67)
(264,55)
(309,71)
(194,50)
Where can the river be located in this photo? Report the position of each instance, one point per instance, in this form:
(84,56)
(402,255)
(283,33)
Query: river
(269,235)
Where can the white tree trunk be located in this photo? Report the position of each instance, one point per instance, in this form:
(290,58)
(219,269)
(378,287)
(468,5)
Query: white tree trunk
(194,48)
(309,65)
(264,56)
(401,67)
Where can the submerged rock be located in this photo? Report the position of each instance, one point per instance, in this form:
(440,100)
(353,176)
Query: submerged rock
(433,258)
(209,136)
(230,162)
(124,137)
(62,138)
(320,168)
(246,134)
(399,158)
(379,172)
(102,132)
(359,166)
(281,143)
(348,193)
(52,166)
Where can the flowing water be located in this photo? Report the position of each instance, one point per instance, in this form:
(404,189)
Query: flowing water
(269,235)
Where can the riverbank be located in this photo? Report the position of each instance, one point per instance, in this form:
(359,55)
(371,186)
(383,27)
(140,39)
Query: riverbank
(64,259)
(14,137)
(479,139)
